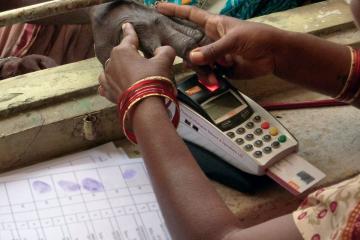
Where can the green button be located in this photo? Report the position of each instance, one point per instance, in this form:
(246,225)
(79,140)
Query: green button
(282,138)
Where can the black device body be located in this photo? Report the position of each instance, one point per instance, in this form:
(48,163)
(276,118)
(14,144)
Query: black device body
(212,165)
(187,95)
(217,169)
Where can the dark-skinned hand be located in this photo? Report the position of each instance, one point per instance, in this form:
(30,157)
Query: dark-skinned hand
(31,63)
(153,29)
(244,49)
(126,66)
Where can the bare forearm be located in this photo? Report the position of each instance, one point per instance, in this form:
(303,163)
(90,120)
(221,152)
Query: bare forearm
(313,63)
(191,206)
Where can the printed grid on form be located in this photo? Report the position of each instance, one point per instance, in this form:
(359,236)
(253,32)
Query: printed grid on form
(96,194)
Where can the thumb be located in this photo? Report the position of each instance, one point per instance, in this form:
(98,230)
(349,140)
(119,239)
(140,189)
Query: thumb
(213,51)
(130,38)
(165,55)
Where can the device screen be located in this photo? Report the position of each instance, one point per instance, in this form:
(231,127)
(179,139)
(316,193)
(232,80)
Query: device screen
(221,106)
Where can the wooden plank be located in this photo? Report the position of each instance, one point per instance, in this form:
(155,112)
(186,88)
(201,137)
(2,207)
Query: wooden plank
(334,23)
(44,10)
(54,130)
(42,130)
(48,86)
(319,18)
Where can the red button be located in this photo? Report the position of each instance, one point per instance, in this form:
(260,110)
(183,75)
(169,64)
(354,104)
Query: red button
(212,84)
(265,125)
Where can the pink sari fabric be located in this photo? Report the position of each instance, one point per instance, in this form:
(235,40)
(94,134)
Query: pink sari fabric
(63,43)
(17,39)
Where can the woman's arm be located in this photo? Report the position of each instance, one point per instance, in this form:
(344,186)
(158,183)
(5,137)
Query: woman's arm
(313,62)
(255,49)
(191,206)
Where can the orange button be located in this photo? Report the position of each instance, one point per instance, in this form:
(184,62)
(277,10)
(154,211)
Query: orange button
(265,125)
(273,131)
(192,91)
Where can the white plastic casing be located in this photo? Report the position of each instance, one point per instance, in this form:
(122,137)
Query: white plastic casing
(198,130)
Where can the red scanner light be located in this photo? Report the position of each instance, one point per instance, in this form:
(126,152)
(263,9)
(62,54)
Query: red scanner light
(212,84)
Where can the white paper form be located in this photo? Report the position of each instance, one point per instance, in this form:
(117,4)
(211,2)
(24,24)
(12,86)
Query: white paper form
(95,194)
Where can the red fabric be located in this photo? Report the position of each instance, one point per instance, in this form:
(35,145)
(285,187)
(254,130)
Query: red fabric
(16,40)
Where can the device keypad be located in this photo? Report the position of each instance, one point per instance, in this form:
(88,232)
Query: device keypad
(266,138)
(257,154)
(282,138)
(240,130)
(258,131)
(230,134)
(258,137)
(257,118)
(249,137)
(265,125)
(275,144)
(258,143)
(239,141)
(267,150)
(250,125)
(248,147)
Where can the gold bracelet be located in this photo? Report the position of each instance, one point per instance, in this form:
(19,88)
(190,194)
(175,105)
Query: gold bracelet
(346,85)
(137,101)
(161,78)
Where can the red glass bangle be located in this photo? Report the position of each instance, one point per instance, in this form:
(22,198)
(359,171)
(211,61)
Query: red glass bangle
(354,93)
(142,83)
(351,88)
(146,88)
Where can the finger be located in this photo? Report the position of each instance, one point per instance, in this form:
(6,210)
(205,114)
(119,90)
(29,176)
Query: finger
(101,91)
(105,89)
(165,55)
(47,63)
(27,66)
(182,43)
(192,14)
(104,82)
(185,22)
(247,69)
(192,32)
(130,38)
(202,72)
(225,61)
(108,84)
(149,45)
(214,51)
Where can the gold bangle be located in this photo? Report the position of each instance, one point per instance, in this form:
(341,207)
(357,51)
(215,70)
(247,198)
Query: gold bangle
(161,78)
(135,103)
(346,85)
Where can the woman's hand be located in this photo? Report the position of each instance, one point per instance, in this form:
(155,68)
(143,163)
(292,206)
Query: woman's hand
(126,66)
(244,49)
(248,50)
(153,29)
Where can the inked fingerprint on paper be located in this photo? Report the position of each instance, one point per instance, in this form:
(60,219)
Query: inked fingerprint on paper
(69,186)
(129,173)
(92,185)
(41,187)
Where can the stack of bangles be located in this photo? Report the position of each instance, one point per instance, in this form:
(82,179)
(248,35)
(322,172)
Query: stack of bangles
(147,87)
(351,89)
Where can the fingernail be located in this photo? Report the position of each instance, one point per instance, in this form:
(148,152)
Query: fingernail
(212,79)
(124,26)
(197,56)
